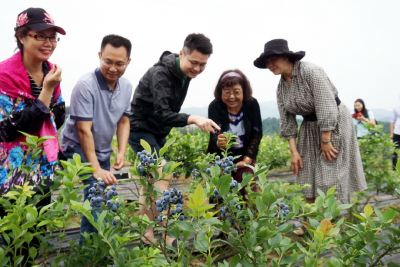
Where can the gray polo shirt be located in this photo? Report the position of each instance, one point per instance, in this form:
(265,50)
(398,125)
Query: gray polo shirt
(93,100)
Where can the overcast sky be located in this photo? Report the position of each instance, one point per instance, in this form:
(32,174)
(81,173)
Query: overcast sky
(356,42)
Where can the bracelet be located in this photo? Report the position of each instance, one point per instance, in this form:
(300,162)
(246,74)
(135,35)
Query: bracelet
(326,142)
(245,158)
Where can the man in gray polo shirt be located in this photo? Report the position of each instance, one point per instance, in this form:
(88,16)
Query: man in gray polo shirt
(100,104)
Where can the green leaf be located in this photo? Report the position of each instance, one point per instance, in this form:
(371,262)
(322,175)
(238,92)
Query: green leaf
(275,240)
(262,170)
(200,243)
(199,193)
(185,226)
(398,166)
(162,151)
(32,211)
(331,191)
(247,176)
(44,223)
(169,141)
(269,199)
(369,235)
(234,260)
(379,214)
(368,210)
(224,182)
(145,145)
(321,193)
(389,215)
(260,204)
(32,252)
(345,206)
(319,201)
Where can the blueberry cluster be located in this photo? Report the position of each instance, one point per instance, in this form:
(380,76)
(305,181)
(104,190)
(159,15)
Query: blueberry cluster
(145,160)
(282,211)
(233,184)
(224,214)
(226,164)
(216,194)
(174,197)
(195,173)
(100,193)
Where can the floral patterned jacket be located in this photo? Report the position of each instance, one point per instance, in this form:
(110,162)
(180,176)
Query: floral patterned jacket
(20,111)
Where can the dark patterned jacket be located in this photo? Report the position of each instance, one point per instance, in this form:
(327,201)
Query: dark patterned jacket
(218,112)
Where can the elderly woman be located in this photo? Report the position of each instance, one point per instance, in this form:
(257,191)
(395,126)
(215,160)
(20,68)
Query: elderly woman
(327,152)
(360,116)
(236,111)
(31,102)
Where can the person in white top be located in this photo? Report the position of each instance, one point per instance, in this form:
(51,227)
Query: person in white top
(360,116)
(395,132)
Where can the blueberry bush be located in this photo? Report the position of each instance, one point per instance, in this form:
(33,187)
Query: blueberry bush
(254,231)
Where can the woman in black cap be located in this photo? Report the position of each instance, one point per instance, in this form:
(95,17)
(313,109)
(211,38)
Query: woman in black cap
(327,152)
(31,102)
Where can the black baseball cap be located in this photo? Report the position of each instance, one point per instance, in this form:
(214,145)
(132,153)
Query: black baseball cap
(37,19)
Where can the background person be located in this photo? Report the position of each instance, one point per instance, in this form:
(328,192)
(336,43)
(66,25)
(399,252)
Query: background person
(236,111)
(395,132)
(31,102)
(360,116)
(99,106)
(157,101)
(327,152)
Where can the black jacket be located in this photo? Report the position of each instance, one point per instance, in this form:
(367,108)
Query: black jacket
(218,112)
(158,99)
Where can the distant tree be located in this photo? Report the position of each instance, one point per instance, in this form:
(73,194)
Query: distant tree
(270,126)
(386,126)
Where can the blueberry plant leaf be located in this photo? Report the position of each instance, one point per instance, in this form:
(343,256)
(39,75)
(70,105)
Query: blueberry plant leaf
(368,210)
(246,178)
(199,194)
(389,215)
(224,182)
(145,145)
(185,226)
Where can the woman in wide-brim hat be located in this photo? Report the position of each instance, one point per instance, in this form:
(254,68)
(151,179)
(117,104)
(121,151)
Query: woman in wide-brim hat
(327,152)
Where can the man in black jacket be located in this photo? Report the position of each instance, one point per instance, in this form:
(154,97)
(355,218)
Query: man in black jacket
(158,99)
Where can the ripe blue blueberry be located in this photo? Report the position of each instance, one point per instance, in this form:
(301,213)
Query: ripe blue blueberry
(159,218)
(114,208)
(181,217)
(173,212)
(159,209)
(114,222)
(166,192)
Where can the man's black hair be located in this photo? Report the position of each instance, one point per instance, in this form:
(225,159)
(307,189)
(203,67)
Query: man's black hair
(117,41)
(199,42)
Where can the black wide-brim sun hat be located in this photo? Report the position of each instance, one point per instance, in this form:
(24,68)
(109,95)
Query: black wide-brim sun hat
(277,48)
(37,19)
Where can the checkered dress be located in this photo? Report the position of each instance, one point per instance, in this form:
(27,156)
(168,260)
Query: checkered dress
(311,91)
